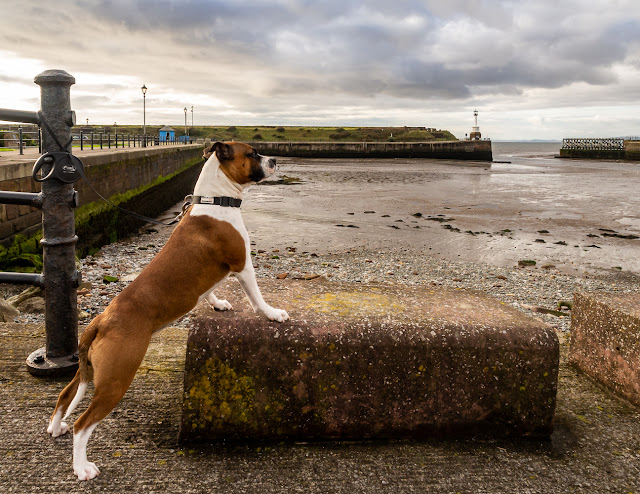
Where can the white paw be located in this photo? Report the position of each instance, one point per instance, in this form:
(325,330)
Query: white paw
(222,305)
(278,315)
(58,430)
(86,471)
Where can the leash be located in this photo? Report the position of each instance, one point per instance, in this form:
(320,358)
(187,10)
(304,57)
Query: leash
(70,169)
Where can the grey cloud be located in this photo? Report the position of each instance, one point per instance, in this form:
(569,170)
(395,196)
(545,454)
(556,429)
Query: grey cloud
(255,54)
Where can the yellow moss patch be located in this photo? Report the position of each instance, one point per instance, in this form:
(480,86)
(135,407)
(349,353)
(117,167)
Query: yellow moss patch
(345,303)
(219,395)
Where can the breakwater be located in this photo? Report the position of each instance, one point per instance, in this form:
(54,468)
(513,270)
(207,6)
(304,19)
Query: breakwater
(455,150)
(612,148)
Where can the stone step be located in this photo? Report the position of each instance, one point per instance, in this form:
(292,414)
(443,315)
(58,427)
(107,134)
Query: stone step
(367,361)
(605,340)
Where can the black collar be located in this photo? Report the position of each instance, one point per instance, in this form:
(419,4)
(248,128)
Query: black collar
(225,201)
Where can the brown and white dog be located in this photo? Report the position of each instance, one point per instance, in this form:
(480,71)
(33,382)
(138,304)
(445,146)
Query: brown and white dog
(210,242)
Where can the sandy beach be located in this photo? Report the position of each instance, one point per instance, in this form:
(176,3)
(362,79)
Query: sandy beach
(580,216)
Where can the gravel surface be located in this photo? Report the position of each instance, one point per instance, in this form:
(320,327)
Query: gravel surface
(525,288)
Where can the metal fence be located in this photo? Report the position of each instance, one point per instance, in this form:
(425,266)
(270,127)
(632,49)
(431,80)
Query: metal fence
(607,144)
(101,140)
(20,138)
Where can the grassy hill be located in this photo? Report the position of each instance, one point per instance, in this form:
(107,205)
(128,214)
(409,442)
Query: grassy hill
(294,133)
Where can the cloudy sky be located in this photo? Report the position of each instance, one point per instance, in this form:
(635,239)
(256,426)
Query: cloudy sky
(542,69)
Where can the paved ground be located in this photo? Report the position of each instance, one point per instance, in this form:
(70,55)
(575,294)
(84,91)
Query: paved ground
(32,154)
(595,446)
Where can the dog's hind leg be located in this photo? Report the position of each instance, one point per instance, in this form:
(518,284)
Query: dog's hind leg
(114,367)
(69,398)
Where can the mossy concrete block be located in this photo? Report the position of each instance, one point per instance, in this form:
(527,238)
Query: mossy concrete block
(605,340)
(367,361)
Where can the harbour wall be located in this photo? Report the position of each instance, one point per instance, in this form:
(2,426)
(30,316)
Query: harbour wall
(455,150)
(128,177)
(630,150)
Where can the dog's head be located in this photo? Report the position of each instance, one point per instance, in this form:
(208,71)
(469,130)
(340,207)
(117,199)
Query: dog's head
(240,162)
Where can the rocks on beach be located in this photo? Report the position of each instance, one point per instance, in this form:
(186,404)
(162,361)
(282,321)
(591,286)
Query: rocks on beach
(532,289)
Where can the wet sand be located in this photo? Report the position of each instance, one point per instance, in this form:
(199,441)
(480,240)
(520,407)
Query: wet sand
(571,214)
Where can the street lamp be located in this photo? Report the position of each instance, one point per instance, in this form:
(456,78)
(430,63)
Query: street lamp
(185,124)
(144,115)
(192,116)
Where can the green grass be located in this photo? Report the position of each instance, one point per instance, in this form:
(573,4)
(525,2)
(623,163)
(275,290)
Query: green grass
(298,133)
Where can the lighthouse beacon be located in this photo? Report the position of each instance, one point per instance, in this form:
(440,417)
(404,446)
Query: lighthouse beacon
(475,130)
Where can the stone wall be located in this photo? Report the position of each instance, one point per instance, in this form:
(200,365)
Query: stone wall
(109,172)
(458,150)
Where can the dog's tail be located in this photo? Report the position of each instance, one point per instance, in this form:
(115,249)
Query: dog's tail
(85,373)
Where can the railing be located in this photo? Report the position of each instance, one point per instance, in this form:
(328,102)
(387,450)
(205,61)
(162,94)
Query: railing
(58,198)
(93,140)
(610,144)
(20,138)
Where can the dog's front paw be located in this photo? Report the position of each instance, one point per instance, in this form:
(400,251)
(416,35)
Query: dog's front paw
(86,471)
(278,315)
(218,304)
(222,305)
(60,430)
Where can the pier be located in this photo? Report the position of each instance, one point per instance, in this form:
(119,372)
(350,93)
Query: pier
(475,150)
(601,148)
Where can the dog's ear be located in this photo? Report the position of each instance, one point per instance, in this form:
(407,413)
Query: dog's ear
(223,151)
(208,151)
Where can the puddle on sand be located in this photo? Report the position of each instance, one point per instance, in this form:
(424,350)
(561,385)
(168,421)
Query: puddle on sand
(552,215)
(632,223)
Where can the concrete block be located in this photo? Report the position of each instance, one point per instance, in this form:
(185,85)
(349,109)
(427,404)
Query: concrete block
(372,361)
(605,340)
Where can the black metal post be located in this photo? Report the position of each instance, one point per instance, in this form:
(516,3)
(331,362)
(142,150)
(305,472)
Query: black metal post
(21,141)
(61,278)
(81,141)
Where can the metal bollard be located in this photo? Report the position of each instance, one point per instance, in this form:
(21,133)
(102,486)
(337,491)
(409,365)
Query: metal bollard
(61,278)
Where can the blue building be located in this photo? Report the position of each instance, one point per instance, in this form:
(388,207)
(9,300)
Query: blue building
(167,134)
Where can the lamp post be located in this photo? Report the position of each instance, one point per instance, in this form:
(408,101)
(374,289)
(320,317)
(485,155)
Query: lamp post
(192,116)
(185,124)
(144,115)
